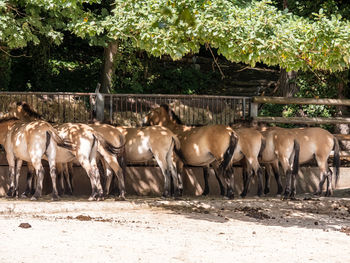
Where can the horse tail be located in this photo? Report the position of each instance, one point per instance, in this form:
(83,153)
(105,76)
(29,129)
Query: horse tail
(296,157)
(263,146)
(177,148)
(52,133)
(108,146)
(229,152)
(336,160)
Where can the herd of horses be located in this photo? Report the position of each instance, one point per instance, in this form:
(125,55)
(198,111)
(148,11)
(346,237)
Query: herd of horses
(25,136)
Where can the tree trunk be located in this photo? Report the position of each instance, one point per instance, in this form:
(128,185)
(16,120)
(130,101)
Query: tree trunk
(286,83)
(108,66)
(342,111)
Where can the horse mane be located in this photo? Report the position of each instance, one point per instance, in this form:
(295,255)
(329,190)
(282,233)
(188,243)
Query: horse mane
(27,109)
(171,113)
(8,119)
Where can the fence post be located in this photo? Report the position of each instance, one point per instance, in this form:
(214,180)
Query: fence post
(100,104)
(253,109)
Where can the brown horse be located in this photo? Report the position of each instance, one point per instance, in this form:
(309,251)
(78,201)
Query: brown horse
(142,144)
(247,151)
(318,143)
(291,147)
(281,147)
(88,143)
(30,142)
(200,146)
(113,163)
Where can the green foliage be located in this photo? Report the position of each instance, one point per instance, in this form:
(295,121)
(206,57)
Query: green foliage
(311,85)
(251,33)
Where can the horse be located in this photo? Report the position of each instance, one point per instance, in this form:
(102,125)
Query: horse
(144,143)
(281,147)
(318,143)
(199,146)
(30,142)
(88,143)
(292,147)
(247,151)
(113,163)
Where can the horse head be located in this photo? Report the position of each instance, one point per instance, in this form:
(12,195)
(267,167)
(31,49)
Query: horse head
(161,115)
(23,111)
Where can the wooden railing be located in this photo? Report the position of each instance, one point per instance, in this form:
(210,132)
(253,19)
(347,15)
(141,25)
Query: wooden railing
(303,120)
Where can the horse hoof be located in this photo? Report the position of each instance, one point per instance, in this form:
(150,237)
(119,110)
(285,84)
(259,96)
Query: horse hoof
(120,198)
(55,198)
(284,198)
(92,198)
(24,195)
(100,198)
(34,198)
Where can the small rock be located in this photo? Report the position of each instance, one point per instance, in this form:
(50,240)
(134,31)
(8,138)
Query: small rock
(254,233)
(316,223)
(24,225)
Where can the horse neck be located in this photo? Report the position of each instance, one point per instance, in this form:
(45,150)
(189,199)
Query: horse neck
(176,128)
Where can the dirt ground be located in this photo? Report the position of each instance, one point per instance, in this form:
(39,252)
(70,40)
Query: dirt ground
(311,229)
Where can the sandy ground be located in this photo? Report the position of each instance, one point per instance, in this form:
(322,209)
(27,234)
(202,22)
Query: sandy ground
(188,230)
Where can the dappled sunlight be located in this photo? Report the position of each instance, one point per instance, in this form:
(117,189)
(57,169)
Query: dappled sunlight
(196,148)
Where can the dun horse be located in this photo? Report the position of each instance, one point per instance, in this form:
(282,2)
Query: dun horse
(249,145)
(200,146)
(142,144)
(30,142)
(87,142)
(317,143)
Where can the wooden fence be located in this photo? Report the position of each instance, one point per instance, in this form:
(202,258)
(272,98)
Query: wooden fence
(256,101)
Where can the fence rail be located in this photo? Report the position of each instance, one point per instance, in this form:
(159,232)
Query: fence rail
(129,109)
(301,101)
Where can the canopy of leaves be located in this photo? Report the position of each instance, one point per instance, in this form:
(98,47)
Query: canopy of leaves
(242,31)
(250,33)
(23,22)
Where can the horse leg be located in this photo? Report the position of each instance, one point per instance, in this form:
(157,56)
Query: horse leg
(106,172)
(329,191)
(222,188)
(179,170)
(85,163)
(68,178)
(268,172)
(18,172)
(109,177)
(163,166)
(230,180)
(29,185)
(276,173)
(249,172)
(111,163)
(322,164)
(60,178)
(12,162)
(51,158)
(206,183)
(287,169)
(293,188)
(39,169)
(259,174)
(172,170)
(226,179)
